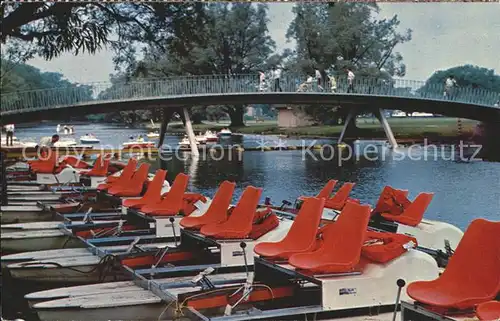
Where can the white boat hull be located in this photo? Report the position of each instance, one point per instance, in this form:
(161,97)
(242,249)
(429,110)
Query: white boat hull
(23,214)
(74,270)
(42,255)
(129,312)
(37,240)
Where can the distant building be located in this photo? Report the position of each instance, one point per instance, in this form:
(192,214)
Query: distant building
(254,111)
(288,117)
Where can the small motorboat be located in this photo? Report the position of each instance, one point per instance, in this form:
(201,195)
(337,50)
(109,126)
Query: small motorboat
(68,142)
(89,139)
(138,144)
(201,138)
(153,134)
(225,132)
(210,136)
(184,143)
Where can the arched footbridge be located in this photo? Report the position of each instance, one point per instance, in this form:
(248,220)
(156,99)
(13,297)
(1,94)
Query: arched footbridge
(183,91)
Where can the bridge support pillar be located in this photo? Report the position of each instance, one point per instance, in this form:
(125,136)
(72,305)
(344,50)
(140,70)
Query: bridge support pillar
(350,116)
(167,115)
(190,133)
(387,129)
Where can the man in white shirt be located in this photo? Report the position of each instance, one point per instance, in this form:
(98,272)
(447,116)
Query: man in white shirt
(277,76)
(350,80)
(48,141)
(9,129)
(319,78)
(262,81)
(449,84)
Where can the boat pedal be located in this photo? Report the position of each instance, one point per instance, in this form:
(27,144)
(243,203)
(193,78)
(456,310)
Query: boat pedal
(133,244)
(202,280)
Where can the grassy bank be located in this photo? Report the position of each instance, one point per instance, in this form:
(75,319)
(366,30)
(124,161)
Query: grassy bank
(438,128)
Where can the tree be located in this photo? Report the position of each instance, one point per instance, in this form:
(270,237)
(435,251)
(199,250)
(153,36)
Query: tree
(208,39)
(333,36)
(467,77)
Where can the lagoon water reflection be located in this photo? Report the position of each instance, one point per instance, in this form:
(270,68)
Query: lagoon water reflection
(463,191)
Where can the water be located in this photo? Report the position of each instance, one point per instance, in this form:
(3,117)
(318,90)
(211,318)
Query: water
(463,191)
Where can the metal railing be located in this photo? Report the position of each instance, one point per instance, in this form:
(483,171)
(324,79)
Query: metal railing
(95,93)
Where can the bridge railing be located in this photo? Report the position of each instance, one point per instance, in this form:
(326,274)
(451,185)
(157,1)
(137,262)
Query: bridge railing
(18,102)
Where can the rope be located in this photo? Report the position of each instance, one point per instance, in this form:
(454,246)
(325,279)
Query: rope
(180,307)
(104,264)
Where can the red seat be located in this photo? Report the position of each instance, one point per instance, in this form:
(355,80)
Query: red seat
(74,162)
(414,213)
(302,234)
(100,168)
(133,187)
(172,203)
(338,201)
(125,176)
(342,242)
(239,224)
(472,274)
(46,166)
(392,201)
(153,193)
(488,311)
(216,212)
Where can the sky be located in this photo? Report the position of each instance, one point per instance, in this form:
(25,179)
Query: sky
(444,35)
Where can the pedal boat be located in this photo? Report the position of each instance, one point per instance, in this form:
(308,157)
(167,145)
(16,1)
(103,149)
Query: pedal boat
(469,286)
(275,288)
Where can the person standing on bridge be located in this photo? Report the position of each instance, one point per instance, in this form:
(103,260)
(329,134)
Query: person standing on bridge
(319,79)
(262,81)
(449,86)
(9,129)
(276,75)
(350,80)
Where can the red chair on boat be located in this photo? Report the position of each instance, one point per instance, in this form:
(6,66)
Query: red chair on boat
(74,162)
(338,201)
(488,311)
(392,201)
(153,193)
(126,175)
(239,224)
(216,212)
(342,242)
(100,168)
(133,187)
(47,166)
(302,234)
(172,203)
(414,213)
(472,275)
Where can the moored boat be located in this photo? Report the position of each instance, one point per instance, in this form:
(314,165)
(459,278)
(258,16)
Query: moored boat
(211,136)
(138,144)
(225,132)
(153,135)
(89,139)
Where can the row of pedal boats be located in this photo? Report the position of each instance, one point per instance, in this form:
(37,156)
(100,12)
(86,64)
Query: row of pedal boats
(134,247)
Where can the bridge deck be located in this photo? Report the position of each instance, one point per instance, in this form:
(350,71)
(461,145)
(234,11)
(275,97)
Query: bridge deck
(104,97)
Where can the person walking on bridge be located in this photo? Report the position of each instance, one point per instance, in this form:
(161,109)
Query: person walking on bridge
(449,86)
(277,75)
(319,79)
(350,81)
(9,129)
